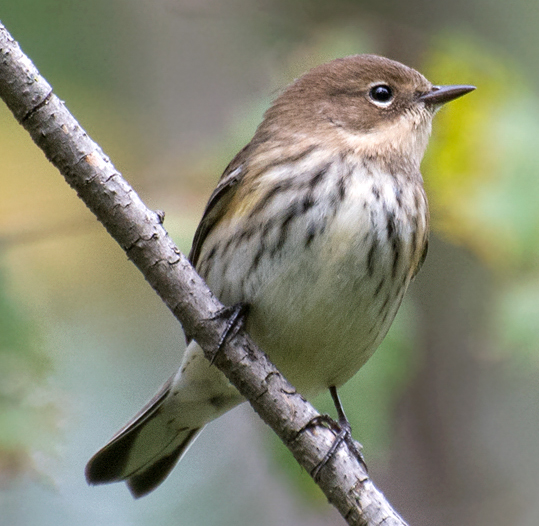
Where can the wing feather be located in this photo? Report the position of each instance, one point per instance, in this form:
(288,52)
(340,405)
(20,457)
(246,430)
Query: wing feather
(217,204)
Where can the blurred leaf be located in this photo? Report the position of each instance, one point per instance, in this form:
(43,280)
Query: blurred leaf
(514,323)
(482,174)
(482,166)
(93,29)
(26,413)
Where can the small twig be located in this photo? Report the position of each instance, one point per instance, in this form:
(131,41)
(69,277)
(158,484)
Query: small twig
(140,233)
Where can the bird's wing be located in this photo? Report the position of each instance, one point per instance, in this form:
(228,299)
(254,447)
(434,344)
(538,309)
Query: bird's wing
(421,259)
(217,204)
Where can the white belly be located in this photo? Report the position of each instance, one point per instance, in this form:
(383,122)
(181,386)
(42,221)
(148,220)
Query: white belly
(320,308)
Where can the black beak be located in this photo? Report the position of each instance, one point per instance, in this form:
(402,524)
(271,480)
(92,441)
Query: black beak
(442,94)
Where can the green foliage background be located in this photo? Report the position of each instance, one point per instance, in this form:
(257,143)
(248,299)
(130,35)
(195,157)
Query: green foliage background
(446,409)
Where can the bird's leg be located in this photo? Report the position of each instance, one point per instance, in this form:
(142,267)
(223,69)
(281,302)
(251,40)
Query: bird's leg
(343,429)
(235,320)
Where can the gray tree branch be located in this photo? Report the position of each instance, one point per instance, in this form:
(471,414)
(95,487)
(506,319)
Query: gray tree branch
(139,231)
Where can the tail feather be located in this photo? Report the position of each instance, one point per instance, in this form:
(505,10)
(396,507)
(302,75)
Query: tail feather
(147,479)
(144,451)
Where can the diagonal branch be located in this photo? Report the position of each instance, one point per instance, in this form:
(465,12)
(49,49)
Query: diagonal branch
(139,231)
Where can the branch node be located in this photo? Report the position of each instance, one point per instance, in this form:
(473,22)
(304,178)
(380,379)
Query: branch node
(160,216)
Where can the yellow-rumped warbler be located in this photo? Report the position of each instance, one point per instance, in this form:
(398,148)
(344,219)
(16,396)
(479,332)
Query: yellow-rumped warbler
(317,225)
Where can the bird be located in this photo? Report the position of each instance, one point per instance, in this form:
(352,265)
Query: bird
(317,227)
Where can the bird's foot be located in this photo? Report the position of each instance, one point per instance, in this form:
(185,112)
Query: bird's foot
(343,433)
(235,320)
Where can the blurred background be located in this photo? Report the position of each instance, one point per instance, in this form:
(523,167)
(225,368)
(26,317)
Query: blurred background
(447,409)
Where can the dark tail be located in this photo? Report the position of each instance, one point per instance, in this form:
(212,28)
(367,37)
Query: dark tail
(144,452)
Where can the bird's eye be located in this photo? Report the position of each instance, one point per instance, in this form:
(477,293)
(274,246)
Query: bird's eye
(381,94)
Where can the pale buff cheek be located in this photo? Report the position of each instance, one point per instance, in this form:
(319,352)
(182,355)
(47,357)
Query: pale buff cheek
(407,136)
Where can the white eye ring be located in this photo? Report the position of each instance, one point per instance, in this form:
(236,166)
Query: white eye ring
(381,94)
